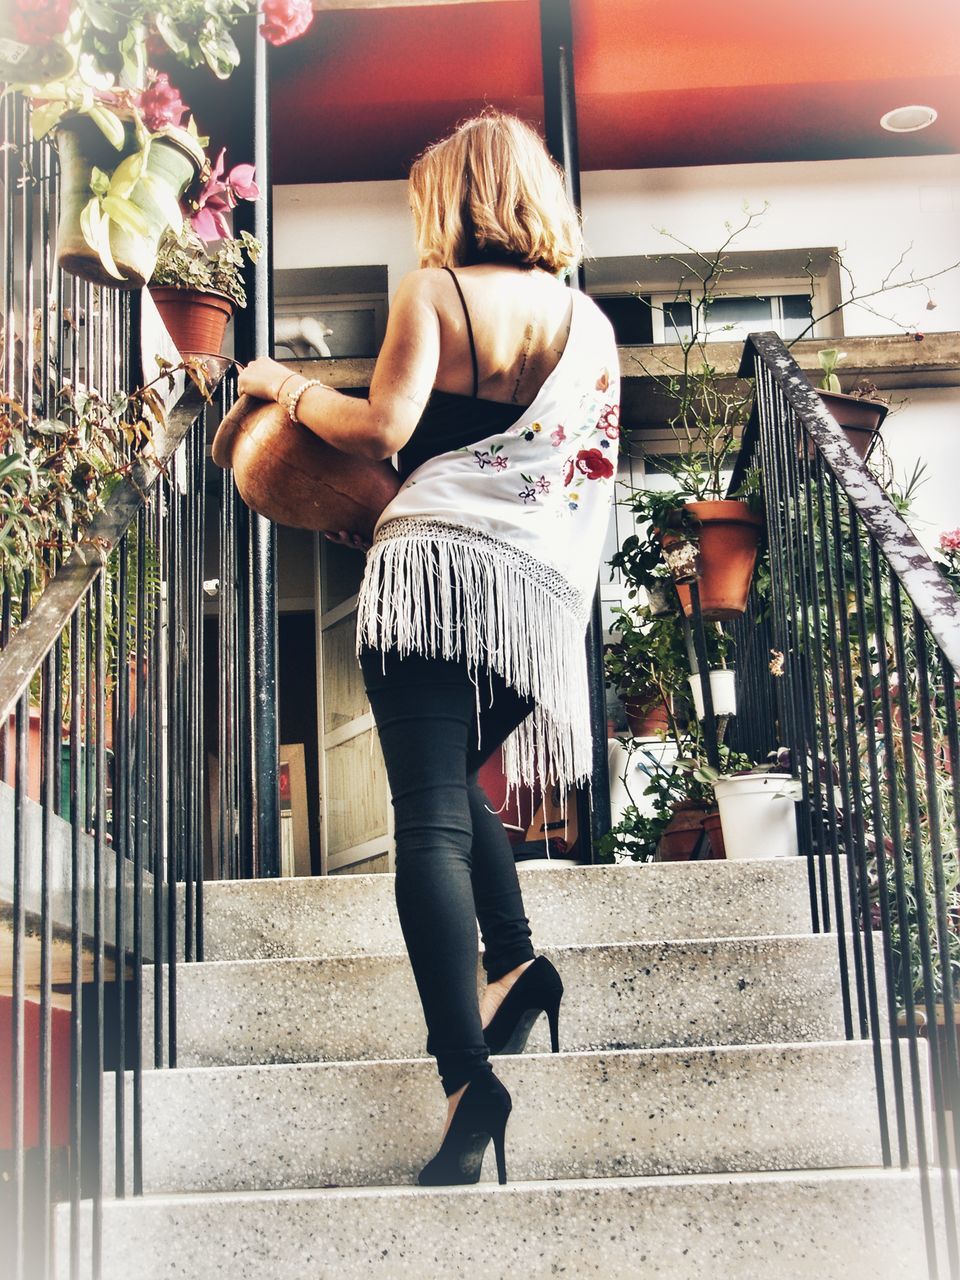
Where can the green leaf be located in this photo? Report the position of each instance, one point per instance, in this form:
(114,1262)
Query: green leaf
(126,176)
(108,124)
(126,215)
(167,28)
(99,181)
(163,196)
(44,118)
(101,16)
(219,50)
(96,232)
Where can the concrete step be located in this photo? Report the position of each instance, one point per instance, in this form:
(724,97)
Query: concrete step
(646,995)
(575,1115)
(356,915)
(834,1225)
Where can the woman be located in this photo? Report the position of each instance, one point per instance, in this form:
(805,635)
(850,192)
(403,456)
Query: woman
(497,387)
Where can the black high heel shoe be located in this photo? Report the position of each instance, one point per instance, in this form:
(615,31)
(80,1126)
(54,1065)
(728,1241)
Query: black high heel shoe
(481,1115)
(537,990)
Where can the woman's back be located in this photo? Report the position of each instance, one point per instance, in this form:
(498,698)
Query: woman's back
(520,320)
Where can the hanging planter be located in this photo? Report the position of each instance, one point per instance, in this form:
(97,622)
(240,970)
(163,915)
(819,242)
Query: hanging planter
(723,691)
(720,555)
(859,418)
(132,237)
(195,319)
(758,815)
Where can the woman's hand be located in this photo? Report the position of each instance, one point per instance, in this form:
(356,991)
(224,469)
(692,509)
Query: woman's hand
(263,378)
(344,539)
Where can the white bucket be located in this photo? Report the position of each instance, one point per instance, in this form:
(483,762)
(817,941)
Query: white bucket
(723,690)
(758,815)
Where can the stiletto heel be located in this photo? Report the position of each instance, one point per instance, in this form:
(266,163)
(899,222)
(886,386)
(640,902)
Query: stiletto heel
(501,1158)
(537,990)
(553,1016)
(481,1114)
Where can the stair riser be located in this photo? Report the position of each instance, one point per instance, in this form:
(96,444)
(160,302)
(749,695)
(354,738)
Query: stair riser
(356,915)
(574,1116)
(792,1227)
(758,991)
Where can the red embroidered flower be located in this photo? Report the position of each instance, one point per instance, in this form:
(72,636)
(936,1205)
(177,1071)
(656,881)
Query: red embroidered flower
(284,20)
(594,465)
(609,422)
(161,103)
(568,472)
(36,21)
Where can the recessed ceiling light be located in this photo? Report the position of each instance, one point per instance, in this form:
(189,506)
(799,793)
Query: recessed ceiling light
(908,119)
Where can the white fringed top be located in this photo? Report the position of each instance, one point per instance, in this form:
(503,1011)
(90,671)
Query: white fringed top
(503,539)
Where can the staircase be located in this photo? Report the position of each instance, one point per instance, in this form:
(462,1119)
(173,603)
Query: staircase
(706,1118)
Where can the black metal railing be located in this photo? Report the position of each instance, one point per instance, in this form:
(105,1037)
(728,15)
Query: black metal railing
(127,729)
(858,635)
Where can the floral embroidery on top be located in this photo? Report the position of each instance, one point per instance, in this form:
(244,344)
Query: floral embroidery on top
(591,463)
(557,437)
(492,457)
(609,422)
(603,382)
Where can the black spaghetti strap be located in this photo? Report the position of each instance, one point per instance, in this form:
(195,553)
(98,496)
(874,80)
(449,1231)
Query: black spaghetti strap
(473,347)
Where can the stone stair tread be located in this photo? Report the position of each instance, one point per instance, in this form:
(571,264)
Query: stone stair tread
(625,995)
(357,914)
(843,1224)
(575,1114)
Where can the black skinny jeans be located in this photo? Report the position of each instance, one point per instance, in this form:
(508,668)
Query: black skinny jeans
(454,864)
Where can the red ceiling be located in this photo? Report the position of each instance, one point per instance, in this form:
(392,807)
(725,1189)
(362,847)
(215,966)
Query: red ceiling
(658,83)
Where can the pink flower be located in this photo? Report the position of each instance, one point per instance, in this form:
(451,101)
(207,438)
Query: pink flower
(284,20)
(609,422)
(161,103)
(37,21)
(219,195)
(950,541)
(557,437)
(594,465)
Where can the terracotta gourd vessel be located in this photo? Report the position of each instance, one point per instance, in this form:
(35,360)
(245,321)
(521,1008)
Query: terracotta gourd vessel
(286,473)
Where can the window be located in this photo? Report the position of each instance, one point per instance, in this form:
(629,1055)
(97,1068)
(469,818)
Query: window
(329,311)
(653,299)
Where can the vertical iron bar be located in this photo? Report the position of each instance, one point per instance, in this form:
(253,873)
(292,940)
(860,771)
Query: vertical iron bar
(99,834)
(18,985)
(76,947)
(140,800)
(121,837)
(50,744)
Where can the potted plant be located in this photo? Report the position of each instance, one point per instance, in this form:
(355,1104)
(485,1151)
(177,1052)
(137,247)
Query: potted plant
(196,289)
(757,804)
(126,160)
(859,414)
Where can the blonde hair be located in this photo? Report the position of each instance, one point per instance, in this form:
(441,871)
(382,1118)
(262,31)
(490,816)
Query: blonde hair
(491,193)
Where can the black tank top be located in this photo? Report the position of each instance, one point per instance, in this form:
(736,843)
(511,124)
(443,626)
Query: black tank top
(453,421)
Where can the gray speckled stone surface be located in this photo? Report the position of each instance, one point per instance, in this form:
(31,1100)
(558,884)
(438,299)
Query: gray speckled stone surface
(356,915)
(575,1116)
(844,1225)
(649,995)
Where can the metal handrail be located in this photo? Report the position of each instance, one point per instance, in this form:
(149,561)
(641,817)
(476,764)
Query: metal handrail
(933,597)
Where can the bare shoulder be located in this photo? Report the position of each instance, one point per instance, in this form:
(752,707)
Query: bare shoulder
(419,286)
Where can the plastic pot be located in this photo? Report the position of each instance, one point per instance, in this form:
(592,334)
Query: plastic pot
(859,419)
(175,159)
(723,690)
(728,537)
(758,815)
(196,320)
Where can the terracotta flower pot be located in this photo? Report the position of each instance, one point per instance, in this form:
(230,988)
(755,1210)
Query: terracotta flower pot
(684,832)
(646,714)
(859,419)
(195,320)
(285,472)
(711,825)
(728,536)
(175,159)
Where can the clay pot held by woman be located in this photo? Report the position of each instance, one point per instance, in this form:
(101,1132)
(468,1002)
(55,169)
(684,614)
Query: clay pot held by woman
(728,536)
(289,475)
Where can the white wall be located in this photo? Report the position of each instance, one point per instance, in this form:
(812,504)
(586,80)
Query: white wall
(873,210)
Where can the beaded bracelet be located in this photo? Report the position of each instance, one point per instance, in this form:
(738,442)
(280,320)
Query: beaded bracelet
(293,399)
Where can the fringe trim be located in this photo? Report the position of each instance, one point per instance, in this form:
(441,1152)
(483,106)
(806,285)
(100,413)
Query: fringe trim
(518,616)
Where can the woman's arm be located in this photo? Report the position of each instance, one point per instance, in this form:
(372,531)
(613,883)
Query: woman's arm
(402,380)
